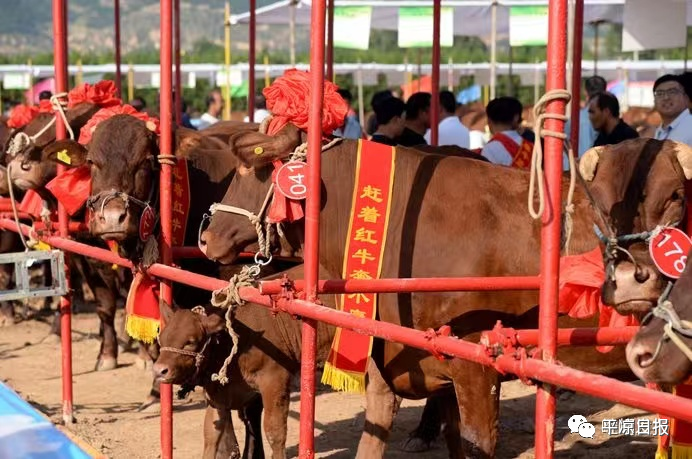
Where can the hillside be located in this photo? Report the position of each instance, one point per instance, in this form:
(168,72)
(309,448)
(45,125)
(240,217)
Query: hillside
(26,25)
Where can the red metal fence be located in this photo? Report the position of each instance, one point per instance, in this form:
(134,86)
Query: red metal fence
(547,337)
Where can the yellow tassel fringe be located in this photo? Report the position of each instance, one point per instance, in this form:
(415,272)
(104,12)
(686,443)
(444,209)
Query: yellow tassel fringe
(661,453)
(681,452)
(343,381)
(141,328)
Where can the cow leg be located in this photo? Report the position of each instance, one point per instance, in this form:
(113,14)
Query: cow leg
(219,437)
(108,355)
(429,427)
(6,307)
(380,408)
(275,398)
(251,415)
(479,402)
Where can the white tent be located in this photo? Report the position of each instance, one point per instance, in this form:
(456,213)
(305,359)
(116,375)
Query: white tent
(471,17)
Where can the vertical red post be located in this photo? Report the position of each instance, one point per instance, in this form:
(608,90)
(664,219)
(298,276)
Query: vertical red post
(60,66)
(312,229)
(251,70)
(435,101)
(577,42)
(118,75)
(550,233)
(330,40)
(178,103)
(166,148)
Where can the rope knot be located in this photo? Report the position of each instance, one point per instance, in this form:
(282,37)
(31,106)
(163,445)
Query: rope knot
(228,298)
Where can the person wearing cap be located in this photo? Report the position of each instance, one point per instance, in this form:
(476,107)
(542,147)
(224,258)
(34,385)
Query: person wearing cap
(390,121)
(672,104)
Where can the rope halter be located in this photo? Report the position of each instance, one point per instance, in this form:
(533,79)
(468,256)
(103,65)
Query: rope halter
(674,325)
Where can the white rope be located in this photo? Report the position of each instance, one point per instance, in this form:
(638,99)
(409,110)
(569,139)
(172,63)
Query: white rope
(537,157)
(14,207)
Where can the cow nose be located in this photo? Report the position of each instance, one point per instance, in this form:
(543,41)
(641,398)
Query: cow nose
(642,355)
(113,217)
(202,243)
(642,274)
(161,370)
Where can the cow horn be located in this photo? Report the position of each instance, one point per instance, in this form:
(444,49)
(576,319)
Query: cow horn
(589,162)
(684,154)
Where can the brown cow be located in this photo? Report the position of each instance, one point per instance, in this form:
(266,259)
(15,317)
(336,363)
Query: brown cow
(637,186)
(268,355)
(433,195)
(652,354)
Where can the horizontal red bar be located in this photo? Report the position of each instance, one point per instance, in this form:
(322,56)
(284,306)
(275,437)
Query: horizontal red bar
(429,284)
(20,215)
(595,385)
(607,336)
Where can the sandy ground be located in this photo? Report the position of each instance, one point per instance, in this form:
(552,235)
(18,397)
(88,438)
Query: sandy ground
(106,402)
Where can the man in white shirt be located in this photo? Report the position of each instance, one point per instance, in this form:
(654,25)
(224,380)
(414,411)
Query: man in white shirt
(214,109)
(507,146)
(261,111)
(450,131)
(672,103)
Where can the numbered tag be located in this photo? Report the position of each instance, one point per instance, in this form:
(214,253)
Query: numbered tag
(146,223)
(291,180)
(669,251)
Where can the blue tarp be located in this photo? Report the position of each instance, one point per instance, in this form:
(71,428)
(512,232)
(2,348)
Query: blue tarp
(26,434)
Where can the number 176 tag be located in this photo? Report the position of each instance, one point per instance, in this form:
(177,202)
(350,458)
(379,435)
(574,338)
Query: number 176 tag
(669,250)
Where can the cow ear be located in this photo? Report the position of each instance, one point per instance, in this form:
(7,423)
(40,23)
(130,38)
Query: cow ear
(255,149)
(589,162)
(684,154)
(213,322)
(66,152)
(166,311)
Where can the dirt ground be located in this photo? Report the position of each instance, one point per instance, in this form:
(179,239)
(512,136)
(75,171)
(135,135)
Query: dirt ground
(106,402)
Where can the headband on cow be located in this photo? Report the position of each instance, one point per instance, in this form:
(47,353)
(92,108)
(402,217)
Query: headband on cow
(288,99)
(88,129)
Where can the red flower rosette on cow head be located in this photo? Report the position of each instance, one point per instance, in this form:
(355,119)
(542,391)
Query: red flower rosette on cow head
(88,129)
(21,115)
(102,94)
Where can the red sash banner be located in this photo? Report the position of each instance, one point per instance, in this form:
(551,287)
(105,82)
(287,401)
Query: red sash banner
(143,313)
(521,154)
(367,232)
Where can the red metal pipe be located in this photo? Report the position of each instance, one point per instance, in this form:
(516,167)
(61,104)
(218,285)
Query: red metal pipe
(252,59)
(61,85)
(166,149)
(599,386)
(312,230)
(550,233)
(608,336)
(178,103)
(118,61)
(72,227)
(330,40)
(20,215)
(425,284)
(577,43)
(435,100)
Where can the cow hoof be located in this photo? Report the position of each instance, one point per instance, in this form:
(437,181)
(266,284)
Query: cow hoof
(52,338)
(106,363)
(414,445)
(144,364)
(149,405)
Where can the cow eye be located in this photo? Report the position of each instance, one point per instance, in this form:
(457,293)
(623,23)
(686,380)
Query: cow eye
(676,196)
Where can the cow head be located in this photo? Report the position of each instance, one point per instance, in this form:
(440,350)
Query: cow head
(186,343)
(636,186)
(29,168)
(122,159)
(652,355)
(228,234)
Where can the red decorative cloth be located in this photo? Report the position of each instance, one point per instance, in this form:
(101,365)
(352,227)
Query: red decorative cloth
(21,115)
(581,278)
(44,106)
(288,99)
(31,204)
(72,188)
(105,113)
(102,94)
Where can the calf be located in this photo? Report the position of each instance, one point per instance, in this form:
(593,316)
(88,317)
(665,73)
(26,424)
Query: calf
(194,345)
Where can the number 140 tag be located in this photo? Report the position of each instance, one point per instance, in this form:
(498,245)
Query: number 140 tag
(669,250)
(291,180)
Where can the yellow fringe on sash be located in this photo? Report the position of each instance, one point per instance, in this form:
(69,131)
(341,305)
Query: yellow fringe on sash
(343,381)
(142,328)
(661,452)
(679,452)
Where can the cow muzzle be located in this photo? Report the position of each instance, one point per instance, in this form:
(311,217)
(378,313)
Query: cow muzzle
(632,289)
